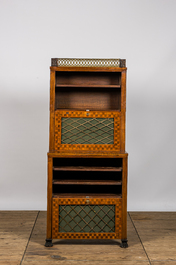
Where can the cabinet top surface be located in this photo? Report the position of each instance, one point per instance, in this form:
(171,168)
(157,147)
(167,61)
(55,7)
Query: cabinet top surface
(78,62)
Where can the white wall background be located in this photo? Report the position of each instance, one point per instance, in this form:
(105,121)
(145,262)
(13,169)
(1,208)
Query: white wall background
(143,32)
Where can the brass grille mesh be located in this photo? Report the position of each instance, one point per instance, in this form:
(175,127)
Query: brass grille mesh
(78,62)
(87,131)
(87,218)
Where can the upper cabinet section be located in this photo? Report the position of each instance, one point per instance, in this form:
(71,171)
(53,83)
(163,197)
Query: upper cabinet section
(88,84)
(87,105)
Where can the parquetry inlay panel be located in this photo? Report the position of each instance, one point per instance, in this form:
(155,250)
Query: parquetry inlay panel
(90,131)
(86,219)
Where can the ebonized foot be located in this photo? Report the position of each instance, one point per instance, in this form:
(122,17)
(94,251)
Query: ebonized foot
(124,243)
(48,243)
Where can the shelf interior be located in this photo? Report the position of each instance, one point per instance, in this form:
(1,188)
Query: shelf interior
(90,176)
(88,162)
(88,90)
(92,98)
(87,176)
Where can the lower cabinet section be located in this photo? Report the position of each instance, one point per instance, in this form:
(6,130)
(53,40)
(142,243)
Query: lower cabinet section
(86,218)
(87,198)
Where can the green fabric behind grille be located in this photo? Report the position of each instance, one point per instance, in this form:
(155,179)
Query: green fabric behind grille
(87,218)
(87,131)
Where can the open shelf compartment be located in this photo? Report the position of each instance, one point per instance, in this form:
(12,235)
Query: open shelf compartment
(88,90)
(101,176)
(88,78)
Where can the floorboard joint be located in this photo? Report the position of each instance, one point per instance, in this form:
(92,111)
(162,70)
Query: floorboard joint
(29,237)
(139,238)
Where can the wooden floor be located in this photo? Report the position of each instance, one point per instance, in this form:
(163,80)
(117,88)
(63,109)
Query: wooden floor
(151,235)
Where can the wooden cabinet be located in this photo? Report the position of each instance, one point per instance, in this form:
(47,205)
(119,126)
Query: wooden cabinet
(87,162)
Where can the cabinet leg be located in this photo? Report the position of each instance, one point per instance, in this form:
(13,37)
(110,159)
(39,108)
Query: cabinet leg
(124,243)
(48,243)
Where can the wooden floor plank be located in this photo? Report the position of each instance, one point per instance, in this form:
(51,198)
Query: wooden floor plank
(10,262)
(164,262)
(158,234)
(153,216)
(150,234)
(83,251)
(86,262)
(15,229)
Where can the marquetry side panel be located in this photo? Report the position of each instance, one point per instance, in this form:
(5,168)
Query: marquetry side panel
(123,110)
(113,146)
(84,202)
(52,107)
(124,198)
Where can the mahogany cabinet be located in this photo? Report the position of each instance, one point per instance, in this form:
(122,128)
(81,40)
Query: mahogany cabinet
(87,162)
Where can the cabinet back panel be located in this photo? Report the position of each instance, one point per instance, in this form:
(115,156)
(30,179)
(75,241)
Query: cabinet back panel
(87,78)
(86,175)
(87,189)
(88,162)
(88,98)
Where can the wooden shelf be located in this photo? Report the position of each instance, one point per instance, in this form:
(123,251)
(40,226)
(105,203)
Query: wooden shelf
(82,168)
(86,195)
(89,109)
(86,182)
(82,86)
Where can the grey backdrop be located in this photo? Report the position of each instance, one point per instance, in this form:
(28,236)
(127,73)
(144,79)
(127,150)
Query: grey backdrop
(34,31)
